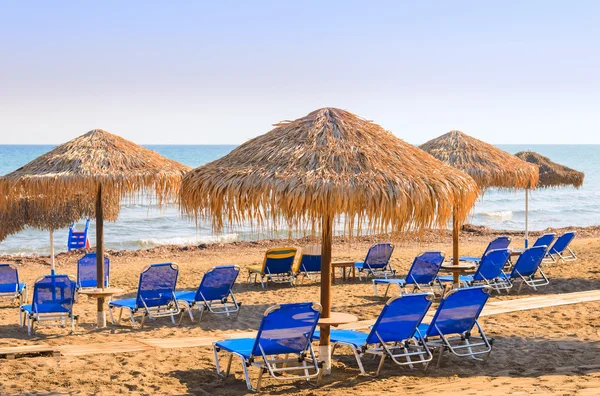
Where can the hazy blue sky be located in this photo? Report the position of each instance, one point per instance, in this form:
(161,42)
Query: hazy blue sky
(223,71)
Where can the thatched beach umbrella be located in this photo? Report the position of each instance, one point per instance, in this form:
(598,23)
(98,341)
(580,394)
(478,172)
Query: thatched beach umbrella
(33,212)
(96,165)
(318,168)
(487,164)
(551,175)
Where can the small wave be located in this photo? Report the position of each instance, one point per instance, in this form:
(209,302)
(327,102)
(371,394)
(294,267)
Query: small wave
(499,214)
(186,240)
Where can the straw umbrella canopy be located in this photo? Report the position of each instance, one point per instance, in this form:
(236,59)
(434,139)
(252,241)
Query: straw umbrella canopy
(97,164)
(486,164)
(324,166)
(32,212)
(551,175)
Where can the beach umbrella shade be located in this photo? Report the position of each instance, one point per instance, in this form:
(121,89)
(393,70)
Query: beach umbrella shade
(329,165)
(486,164)
(97,165)
(33,212)
(551,175)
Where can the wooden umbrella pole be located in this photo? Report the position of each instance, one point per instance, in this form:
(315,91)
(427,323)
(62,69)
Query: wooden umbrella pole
(526,218)
(52,271)
(455,252)
(324,347)
(101,317)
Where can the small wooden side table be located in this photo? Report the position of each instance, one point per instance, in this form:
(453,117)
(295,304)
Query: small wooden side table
(461,267)
(101,295)
(343,265)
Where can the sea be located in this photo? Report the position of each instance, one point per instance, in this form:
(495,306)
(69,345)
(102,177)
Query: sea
(143,226)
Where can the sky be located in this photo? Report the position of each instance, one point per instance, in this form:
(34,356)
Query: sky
(222,72)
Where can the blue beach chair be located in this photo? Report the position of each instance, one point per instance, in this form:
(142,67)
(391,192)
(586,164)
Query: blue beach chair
(155,296)
(377,262)
(309,263)
(52,301)
(395,334)
(285,329)
(453,323)
(87,277)
(213,293)
(10,287)
(501,242)
(276,267)
(422,274)
(544,240)
(561,250)
(526,270)
(488,273)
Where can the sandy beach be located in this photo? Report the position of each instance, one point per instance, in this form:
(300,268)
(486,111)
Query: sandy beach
(544,351)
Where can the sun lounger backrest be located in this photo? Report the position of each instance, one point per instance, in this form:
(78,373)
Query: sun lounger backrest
(86,271)
(562,242)
(157,285)
(501,242)
(217,282)
(310,263)
(379,255)
(459,310)
(400,317)
(529,261)
(53,293)
(9,279)
(425,268)
(545,240)
(286,328)
(491,264)
(279,260)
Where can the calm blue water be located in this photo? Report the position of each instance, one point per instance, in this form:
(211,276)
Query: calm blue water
(143,226)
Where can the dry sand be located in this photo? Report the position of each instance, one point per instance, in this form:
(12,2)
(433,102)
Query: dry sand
(545,351)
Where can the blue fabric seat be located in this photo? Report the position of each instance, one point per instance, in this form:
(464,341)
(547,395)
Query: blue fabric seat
(560,250)
(377,261)
(453,324)
(10,287)
(527,270)
(155,296)
(52,301)
(422,274)
(277,267)
(393,335)
(87,276)
(214,294)
(285,329)
(502,242)
(488,273)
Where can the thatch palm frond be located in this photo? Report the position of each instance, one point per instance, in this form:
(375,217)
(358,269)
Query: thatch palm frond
(487,164)
(330,162)
(551,173)
(77,167)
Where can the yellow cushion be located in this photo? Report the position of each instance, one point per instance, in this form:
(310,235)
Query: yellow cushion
(255,269)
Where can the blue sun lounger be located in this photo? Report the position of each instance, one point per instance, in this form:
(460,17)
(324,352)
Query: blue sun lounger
(395,333)
(501,242)
(526,270)
(488,273)
(10,287)
(561,251)
(213,294)
(422,274)
(544,240)
(87,277)
(276,267)
(451,328)
(52,301)
(285,329)
(309,264)
(377,262)
(155,296)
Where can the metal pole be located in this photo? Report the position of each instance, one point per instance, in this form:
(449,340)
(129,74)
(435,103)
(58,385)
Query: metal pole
(52,270)
(324,346)
(101,316)
(455,250)
(526,218)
